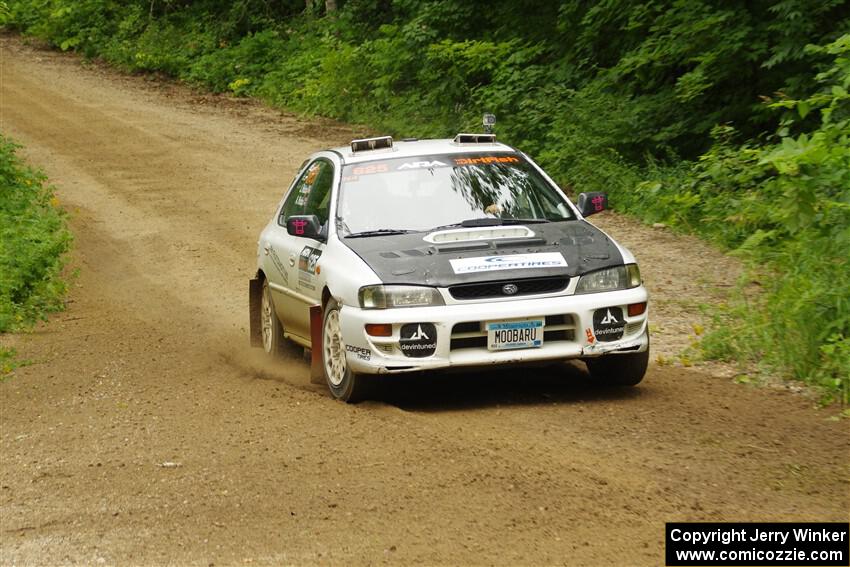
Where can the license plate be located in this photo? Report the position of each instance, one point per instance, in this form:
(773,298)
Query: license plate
(506,335)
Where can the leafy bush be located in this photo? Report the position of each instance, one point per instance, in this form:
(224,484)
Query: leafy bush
(785,207)
(33,239)
(244,65)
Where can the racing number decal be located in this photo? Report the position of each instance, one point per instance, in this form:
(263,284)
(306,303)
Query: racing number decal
(370,169)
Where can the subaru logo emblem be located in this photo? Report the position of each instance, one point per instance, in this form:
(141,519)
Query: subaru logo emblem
(509,289)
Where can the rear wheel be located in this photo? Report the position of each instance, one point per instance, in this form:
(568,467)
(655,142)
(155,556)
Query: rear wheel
(272,331)
(344,384)
(619,369)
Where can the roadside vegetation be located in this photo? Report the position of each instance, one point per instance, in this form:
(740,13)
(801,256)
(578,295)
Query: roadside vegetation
(33,241)
(729,120)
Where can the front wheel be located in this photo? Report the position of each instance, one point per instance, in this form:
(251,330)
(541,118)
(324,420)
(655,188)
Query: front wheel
(344,384)
(619,369)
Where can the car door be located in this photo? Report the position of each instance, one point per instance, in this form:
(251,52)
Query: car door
(295,258)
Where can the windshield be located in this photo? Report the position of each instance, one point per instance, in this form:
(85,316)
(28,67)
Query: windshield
(427,192)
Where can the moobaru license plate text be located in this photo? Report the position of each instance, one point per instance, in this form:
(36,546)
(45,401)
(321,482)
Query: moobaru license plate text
(502,335)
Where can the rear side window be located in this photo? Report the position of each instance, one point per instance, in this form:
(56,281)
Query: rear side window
(311,195)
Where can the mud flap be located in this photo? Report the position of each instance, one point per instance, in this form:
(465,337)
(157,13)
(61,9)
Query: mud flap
(255,305)
(317,373)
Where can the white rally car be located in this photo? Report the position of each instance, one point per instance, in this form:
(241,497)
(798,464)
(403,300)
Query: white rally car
(399,257)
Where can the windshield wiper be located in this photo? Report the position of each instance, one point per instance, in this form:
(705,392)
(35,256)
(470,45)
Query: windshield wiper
(524,221)
(472,223)
(379,232)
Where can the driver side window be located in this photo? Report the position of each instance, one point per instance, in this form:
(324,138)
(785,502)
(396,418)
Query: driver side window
(311,195)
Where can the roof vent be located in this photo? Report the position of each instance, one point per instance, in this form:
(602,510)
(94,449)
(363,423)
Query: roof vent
(475,139)
(367,144)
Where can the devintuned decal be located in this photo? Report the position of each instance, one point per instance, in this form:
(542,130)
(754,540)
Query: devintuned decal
(307,262)
(418,340)
(608,324)
(360,352)
(508,262)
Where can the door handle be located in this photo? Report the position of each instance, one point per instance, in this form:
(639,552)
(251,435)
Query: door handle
(267,249)
(292,259)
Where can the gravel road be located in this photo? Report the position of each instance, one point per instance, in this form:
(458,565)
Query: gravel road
(147,432)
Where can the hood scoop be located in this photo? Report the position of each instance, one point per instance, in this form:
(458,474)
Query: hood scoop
(478,233)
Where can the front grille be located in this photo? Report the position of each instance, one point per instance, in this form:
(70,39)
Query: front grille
(530,286)
(472,334)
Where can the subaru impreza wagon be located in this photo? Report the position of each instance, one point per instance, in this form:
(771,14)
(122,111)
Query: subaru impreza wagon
(391,257)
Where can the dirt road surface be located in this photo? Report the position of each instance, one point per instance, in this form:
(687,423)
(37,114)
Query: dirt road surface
(147,432)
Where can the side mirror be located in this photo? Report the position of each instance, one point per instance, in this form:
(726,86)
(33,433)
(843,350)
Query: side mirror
(591,203)
(305,226)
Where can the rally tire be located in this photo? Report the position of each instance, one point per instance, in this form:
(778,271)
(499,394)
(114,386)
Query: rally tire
(619,369)
(344,384)
(270,328)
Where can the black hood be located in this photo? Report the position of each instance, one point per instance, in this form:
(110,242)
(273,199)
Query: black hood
(407,259)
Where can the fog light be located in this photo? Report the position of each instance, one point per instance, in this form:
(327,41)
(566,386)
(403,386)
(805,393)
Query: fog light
(636,309)
(379,329)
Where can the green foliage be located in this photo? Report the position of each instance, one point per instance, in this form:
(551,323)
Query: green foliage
(785,208)
(240,67)
(33,239)
(9,361)
(720,118)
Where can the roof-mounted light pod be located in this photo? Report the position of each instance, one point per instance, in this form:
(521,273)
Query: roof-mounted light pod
(475,139)
(367,144)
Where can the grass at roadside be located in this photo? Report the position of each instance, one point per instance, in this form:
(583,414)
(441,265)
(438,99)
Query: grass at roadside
(9,361)
(33,242)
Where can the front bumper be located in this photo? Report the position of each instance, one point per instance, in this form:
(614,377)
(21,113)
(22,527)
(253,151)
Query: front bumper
(569,332)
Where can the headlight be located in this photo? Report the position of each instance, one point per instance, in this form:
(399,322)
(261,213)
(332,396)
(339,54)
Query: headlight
(384,297)
(610,279)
